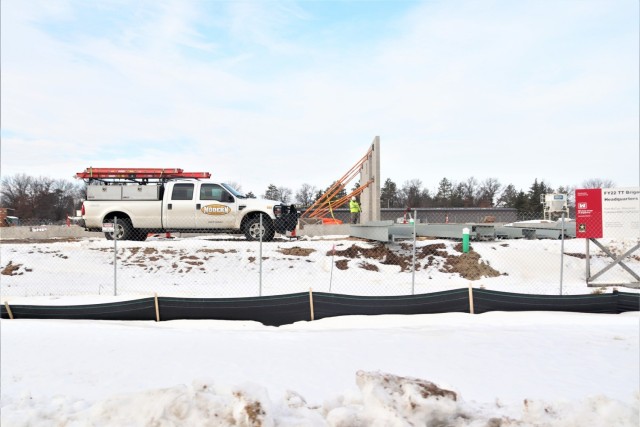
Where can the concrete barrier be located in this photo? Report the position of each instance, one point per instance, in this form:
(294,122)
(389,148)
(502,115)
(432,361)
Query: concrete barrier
(45,232)
(311,230)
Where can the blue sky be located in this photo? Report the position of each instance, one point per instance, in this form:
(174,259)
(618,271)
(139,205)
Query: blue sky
(293,92)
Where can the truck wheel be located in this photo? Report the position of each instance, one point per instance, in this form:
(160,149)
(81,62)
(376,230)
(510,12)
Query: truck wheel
(124,230)
(253,230)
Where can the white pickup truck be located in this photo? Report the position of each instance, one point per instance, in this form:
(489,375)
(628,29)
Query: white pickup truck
(185,205)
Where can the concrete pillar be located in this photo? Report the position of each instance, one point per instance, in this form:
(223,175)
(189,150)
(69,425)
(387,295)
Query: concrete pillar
(370,197)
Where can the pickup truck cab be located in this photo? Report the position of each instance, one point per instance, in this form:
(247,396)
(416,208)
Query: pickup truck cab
(185,205)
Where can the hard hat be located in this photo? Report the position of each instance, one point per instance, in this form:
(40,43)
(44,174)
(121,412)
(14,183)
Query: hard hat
(353,198)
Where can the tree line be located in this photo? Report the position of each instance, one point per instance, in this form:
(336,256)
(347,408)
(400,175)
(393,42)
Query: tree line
(53,199)
(40,198)
(448,194)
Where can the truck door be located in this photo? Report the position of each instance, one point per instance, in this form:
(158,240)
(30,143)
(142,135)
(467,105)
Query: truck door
(180,206)
(217,208)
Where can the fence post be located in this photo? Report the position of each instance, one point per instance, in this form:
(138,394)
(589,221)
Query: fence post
(413,269)
(311,303)
(471,309)
(333,255)
(587,258)
(6,305)
(260,260)
(562,254)
(115,256)
(155,300)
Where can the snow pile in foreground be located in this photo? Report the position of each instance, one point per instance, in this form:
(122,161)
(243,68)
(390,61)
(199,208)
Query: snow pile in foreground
(383,400)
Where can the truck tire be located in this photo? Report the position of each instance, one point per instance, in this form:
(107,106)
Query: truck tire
(124,230)
(253,231)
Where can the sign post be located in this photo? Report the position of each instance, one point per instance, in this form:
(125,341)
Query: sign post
(608,213)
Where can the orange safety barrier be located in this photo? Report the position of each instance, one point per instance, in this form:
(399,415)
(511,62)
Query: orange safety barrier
(331,221)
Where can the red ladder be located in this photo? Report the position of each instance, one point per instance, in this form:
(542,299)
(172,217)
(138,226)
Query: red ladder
(139,173)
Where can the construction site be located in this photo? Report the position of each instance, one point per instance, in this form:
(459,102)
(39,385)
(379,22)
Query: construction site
(327,216)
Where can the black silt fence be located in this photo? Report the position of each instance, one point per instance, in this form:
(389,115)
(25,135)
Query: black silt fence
(331,305)
(285,309)
(141,309)
(628,302)
(269,310)
(485,300)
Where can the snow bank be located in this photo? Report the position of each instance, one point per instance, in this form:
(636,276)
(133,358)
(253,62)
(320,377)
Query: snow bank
(383,400)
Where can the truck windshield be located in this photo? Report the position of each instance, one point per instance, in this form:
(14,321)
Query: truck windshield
(234,191)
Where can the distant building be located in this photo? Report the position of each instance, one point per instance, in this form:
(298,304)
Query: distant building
(7,220)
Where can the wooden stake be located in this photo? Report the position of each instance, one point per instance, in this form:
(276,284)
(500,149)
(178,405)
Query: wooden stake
(311,302)
(6,305)
(471,299)
(155,298)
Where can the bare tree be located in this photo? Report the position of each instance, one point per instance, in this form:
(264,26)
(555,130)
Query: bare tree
(40,198)
(487,192)
(306,194)
(598,183)
(469,192)
(16,194)
(284,194)
(413,194)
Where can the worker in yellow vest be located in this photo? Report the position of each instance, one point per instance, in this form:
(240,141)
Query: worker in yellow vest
(354,207)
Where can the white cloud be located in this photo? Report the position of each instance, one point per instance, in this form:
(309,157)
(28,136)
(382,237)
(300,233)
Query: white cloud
(493,89)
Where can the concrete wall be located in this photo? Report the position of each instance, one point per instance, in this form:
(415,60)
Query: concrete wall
(45,232)
(370,197)
(325,230)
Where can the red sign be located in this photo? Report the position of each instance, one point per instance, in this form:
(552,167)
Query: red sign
(589,213)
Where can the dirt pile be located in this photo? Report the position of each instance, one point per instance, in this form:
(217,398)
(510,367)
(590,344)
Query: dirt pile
(379,252)
(11,269)
(468,265)
(297,251)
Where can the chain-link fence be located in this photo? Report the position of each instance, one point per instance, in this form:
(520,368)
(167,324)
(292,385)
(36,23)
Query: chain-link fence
(533,256)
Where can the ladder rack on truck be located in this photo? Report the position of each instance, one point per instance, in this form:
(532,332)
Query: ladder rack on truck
(139,201)
(137,175)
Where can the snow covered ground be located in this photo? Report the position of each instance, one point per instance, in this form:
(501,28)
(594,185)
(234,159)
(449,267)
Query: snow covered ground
(225,266)
(506,369)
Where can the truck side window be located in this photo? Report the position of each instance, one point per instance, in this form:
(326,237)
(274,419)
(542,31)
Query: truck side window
(182,192)
(212,192)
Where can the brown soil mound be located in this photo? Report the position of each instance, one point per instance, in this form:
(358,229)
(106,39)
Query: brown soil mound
(342,264)
(379,252)
(467,265)
(11,269)
(297,251)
